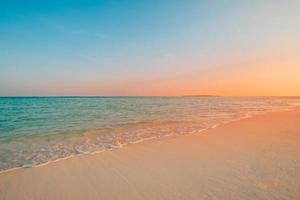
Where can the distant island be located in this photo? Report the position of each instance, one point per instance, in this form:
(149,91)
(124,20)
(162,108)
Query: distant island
(201,95)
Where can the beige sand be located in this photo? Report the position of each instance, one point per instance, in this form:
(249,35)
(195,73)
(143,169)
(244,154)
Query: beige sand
(257,158)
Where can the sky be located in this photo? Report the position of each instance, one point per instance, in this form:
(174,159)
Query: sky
(149,47)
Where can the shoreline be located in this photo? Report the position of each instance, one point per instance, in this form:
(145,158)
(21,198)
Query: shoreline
(253,158)
(152,139)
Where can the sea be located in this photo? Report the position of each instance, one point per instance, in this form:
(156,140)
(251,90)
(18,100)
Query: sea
(37,130)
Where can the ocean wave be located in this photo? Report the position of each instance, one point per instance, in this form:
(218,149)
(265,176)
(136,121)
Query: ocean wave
(30,150)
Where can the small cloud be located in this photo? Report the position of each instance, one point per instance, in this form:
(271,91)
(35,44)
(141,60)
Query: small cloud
(82,32)
(167,54)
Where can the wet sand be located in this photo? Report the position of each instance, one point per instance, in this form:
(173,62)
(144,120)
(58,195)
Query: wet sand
(255,158)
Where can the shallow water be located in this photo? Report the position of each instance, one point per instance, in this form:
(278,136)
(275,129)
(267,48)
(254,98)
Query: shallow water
(35,130)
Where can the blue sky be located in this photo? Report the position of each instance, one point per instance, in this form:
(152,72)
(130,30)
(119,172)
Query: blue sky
(139,47)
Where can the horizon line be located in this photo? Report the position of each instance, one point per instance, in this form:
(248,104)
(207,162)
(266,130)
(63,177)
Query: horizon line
(111,96)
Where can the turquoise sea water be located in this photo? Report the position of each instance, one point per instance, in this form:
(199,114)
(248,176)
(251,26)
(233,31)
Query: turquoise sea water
(35,130)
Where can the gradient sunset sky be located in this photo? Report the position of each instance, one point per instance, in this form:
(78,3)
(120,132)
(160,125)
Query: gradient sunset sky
(165,47)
